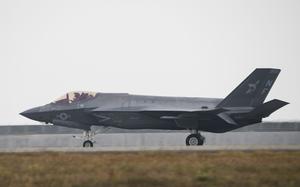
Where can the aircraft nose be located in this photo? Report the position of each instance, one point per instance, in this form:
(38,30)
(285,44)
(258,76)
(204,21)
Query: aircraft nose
(31,113)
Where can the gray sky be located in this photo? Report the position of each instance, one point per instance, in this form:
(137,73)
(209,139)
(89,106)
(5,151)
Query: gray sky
(177,48)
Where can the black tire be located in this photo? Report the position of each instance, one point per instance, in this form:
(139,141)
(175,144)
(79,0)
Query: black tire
(194,140)
(88,143)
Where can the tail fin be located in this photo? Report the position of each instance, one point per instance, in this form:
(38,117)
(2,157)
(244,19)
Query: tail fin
(253,91)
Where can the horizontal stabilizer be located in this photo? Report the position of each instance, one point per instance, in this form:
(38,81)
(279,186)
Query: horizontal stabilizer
(267,108)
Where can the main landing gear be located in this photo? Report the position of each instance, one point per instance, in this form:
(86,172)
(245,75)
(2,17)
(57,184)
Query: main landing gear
(195,139)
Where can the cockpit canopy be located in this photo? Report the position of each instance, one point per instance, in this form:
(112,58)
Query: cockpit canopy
(73,97)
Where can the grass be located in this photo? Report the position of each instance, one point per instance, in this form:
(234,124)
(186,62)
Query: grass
(146,169)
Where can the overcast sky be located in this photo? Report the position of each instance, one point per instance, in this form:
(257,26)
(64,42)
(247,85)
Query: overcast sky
(176,48)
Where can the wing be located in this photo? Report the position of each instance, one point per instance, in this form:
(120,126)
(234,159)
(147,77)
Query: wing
(162,113)
(184,117)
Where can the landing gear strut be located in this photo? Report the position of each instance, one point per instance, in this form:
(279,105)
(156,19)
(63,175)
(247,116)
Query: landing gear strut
(195,139)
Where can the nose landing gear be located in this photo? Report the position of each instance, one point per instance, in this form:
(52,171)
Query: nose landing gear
(195,139)
(88,136)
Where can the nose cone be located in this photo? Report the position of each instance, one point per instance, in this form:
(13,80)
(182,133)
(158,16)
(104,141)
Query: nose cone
(33,113)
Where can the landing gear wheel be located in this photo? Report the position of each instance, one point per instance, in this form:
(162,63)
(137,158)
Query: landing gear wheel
(194,140)
(88,143)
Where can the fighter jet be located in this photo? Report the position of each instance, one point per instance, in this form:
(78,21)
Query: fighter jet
(243,106)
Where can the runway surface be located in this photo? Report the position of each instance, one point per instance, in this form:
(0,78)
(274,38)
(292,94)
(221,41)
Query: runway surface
(157,148)
(148,140)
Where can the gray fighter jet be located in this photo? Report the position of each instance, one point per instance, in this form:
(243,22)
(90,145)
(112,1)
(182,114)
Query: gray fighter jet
(243,106)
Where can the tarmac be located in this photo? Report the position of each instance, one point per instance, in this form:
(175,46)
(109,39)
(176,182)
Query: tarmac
(148,140)
(269,136)
(209,148)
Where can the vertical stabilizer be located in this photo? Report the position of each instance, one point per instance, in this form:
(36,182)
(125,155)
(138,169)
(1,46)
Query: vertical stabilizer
(253,91)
